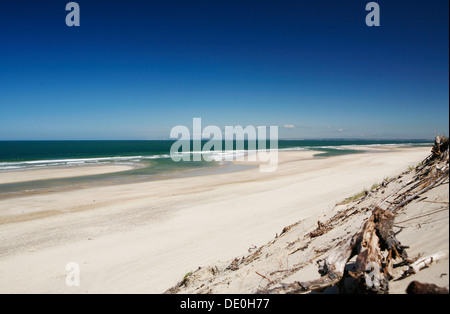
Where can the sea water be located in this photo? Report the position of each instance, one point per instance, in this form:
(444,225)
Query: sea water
(149,160)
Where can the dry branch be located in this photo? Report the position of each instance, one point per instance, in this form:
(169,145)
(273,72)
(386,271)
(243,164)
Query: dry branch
(264,277)
(321,229)
(409,199)
(422,263)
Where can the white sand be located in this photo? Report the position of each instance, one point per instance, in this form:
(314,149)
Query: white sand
(58,173)
(143,237)
(292,256)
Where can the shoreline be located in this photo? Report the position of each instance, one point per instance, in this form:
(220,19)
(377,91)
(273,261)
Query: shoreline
(60,172)
(142,237)
(26,182)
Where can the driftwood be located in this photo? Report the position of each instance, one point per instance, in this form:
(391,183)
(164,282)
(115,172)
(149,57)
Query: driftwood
(422,263)
(429,187)
(416,287)
(372,268)
(332,270)
(372,272)
(321,229)
(264,277)
(440,146)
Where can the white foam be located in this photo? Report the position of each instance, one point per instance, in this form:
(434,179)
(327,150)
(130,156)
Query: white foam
(76,162)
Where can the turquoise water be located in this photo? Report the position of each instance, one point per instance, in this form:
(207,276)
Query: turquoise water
(26,154)
(150,159)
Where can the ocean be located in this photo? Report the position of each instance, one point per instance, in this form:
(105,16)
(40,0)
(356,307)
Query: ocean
(150,160)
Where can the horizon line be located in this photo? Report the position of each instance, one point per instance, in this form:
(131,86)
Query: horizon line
(206,139)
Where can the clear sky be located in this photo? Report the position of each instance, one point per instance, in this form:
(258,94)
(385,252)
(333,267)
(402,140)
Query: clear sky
(135,69)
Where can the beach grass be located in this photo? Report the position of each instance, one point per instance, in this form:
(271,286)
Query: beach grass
(359,195)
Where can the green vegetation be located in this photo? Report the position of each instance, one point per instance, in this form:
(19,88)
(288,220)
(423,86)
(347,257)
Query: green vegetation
(185,278)
(359,195)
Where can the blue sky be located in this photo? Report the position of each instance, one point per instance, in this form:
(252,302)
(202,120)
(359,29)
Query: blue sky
(135,69)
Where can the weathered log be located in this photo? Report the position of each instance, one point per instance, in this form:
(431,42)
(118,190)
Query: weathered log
(416,287)
(372,269)
(436,150)
(441,145)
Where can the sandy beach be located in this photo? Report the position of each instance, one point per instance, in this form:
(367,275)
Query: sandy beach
(144,237)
